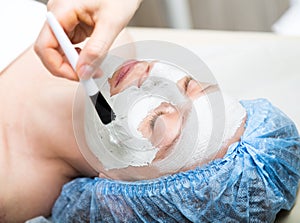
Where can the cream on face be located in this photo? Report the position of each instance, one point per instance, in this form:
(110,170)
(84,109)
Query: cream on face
(158,129)
(123,143)
(208,144)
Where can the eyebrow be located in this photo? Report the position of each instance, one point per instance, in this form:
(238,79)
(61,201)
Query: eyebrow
(186,82)
(154,118)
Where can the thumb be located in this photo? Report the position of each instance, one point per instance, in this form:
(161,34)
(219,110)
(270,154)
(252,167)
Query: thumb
(94,51)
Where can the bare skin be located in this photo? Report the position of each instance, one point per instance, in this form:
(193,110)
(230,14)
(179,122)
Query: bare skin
(38,151)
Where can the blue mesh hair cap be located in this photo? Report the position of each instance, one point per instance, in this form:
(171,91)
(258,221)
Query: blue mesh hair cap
(256,179)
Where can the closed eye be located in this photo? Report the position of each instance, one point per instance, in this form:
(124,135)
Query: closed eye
(154,118)
(186,83)
(162,126)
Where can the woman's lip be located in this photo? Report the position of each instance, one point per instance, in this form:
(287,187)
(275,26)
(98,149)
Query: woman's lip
(125,70)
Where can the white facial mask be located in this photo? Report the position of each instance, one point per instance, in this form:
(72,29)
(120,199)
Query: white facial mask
(165,70)
(204,132)
(119,144)
(207,145)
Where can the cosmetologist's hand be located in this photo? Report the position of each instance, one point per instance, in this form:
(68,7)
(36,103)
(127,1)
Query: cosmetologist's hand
(101,20)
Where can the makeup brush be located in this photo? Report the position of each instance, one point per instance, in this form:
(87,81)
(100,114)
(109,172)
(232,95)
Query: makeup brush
(103,109)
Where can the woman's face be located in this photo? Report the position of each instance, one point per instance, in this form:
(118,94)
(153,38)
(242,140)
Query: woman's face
(162,126)
(132,73)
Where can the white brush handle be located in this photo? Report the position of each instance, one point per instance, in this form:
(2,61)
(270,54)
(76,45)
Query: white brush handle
(70,52)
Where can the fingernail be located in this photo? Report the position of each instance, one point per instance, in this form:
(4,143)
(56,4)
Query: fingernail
(98,73)
(85,72)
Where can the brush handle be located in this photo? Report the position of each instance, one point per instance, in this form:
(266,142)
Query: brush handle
(70,52)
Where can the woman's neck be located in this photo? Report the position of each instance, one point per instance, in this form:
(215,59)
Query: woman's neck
(39,108)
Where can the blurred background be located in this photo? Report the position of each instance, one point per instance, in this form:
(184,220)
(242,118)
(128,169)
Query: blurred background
(281,16)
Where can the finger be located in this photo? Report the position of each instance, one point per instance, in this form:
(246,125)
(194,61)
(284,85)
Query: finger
(95,49)
(47,48)
(60,66)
